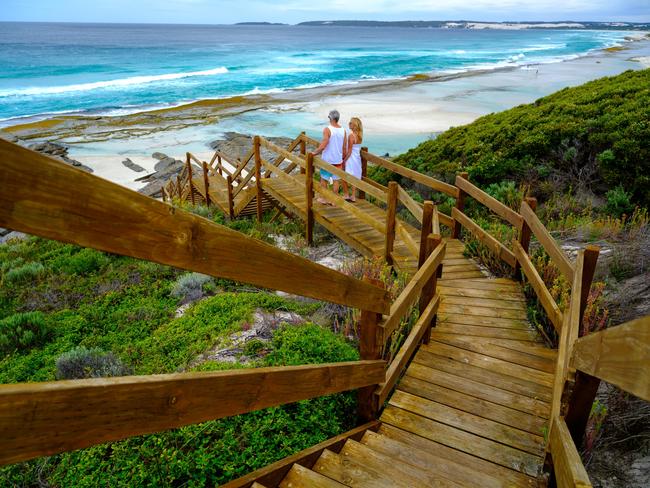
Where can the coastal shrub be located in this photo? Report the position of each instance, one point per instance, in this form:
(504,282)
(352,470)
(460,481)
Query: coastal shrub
(22,331)
(507,193)
(307,344)
(83,262)
(474,248)
(82,362)
(595,135)
(190,287)
(24,273)
(619,202)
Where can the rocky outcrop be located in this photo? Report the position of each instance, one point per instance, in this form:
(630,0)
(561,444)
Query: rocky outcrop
(166,168)
(58,151)
(132,166)
(238,145)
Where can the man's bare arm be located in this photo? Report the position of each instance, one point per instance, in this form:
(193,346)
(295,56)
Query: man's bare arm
(324,142)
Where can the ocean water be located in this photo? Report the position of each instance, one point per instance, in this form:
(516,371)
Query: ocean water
(116,69)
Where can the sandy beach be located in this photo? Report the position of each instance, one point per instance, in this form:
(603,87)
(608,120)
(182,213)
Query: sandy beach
(397,114)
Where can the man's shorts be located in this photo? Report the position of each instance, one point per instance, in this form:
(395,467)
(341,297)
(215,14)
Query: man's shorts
(327,176)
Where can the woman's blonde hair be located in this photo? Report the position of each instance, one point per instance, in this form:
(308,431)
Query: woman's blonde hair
(357,128)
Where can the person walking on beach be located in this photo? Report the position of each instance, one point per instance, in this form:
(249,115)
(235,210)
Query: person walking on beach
(333,146)
(352,158)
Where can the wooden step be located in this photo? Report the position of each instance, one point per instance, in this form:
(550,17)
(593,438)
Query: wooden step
(428,461)
(300,477)
(475,424)
(351,473)
(398,472)
(461,440)
(507,477)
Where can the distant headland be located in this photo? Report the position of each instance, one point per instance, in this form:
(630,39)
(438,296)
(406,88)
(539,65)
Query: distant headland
(468,24)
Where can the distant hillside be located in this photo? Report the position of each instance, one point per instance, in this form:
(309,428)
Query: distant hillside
(470,24)
(596,136)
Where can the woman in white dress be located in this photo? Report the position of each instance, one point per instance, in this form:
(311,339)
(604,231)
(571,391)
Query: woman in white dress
(352,158)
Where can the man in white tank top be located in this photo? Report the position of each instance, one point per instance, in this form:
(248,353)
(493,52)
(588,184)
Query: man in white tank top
(333,147)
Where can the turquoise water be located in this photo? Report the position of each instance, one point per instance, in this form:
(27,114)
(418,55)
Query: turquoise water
(119,69)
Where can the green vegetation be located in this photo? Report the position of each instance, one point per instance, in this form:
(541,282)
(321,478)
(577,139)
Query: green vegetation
(68,312)
(595,136)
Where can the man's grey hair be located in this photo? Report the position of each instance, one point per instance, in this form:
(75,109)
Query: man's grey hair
(334,115)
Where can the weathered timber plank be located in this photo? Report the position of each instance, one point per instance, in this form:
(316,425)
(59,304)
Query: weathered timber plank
(491,302)
(463,441)
(459,419)
(425,461)
(45,197)
(477,320)
(404,472)
(475,386)
(619,355)
(507,477)
(567,465)
(496,365)
(488,332)
(472,404)
(351,473)
(456,364)
(469,309)
(38,419)
(520,357)
(299,477)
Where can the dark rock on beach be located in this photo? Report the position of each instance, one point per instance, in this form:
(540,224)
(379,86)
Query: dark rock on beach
(132,166)
(58,151)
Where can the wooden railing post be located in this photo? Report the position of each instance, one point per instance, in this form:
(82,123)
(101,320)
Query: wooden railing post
(524,236)
(303,150)
(231,198)
(429,289)
(585,386)
(258,176)
(179,187)
(309,188)
(206,184)
(427,223)
(364,171)
(219,165)
(189,177)
(460,205)
(390,221)
(369,347)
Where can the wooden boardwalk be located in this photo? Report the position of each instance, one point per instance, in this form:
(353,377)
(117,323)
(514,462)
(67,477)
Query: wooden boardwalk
(472,407)
(345,225)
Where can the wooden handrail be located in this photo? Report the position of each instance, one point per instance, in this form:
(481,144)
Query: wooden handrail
(428,181)
(558,256)
(535,280)
(568,468)
(490,202)
(352,180)
(497,248)
(410,294)
(619,355)
(568,336)
(243,163)
(290,148)
(40,419)
(405,353)
(408,201)
(44,197)
(435,221)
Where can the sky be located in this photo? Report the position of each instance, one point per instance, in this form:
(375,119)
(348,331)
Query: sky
(294,11)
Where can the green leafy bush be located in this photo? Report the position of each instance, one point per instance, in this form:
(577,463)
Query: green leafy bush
(619,202)
(24,273)
(22,331)
(596,135)
(84,262)
(82,362)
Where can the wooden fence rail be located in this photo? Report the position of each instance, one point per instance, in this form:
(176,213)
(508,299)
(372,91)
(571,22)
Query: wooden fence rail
(44,197)
(38,419)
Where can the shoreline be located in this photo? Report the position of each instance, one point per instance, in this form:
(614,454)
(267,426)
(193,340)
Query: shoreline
(17,123)
(397,114)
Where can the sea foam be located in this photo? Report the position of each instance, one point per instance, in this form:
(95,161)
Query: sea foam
(109,84)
